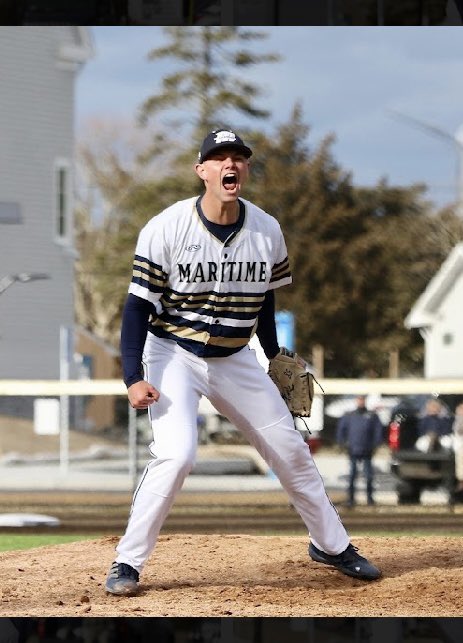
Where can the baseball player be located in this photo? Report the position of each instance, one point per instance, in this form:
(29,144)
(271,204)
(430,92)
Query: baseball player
(203,282)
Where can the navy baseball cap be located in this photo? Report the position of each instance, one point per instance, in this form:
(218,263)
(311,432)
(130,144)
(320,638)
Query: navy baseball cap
(219,138)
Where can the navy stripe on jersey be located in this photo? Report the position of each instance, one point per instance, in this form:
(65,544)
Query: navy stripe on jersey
(223,313)
(227,335)
(212,303)
(197,348)
(196,342)
(148,274)
(197,325)
(235,296)
(280,270)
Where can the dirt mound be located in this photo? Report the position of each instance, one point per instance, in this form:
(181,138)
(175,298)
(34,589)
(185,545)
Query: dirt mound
(236,575)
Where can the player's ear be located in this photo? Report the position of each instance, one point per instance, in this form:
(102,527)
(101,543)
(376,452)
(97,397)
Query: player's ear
(199,169)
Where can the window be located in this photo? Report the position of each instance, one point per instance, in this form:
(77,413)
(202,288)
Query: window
(87,366)
(62,195)
(10,212)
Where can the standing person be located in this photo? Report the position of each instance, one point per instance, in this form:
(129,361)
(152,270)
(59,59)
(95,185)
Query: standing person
(204,274)
(361,433)
(434,425)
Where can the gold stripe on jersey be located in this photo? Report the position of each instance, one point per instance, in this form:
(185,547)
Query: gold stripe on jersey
(205,301)
(206,306)
(153,280)
(234,338)
(229,342)
(190,334)
(150,268)
(184,332)
(148,274)
(213,296)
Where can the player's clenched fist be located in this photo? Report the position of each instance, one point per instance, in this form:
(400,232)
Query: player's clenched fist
(142,394)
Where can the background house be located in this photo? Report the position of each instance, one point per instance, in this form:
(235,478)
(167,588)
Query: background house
(96,360)
(438,314)
(38,67)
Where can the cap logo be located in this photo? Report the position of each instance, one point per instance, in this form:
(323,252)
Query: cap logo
(225,137)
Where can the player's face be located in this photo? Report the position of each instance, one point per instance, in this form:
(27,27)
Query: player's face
(224,173)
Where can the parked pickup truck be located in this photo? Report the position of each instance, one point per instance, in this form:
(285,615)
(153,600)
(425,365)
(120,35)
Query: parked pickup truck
(415,470)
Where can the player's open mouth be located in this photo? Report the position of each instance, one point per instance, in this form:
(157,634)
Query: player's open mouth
(230,181)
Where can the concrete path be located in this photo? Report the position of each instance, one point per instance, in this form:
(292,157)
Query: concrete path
(218,468)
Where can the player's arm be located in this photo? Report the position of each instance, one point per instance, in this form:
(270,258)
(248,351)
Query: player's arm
(133,335)
(281,275)
(266,326)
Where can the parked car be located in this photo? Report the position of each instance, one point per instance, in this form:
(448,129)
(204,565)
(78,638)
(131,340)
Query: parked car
(418,464)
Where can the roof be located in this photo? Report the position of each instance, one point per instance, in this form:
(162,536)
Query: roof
(426,307)
(98,341)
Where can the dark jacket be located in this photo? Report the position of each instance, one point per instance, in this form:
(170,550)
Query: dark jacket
(360,431)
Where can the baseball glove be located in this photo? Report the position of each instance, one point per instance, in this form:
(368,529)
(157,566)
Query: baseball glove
(290,373)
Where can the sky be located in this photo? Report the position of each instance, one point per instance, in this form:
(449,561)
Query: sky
(360,84)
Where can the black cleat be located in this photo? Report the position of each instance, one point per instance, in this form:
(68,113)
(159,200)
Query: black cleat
(122,580)
(348,562)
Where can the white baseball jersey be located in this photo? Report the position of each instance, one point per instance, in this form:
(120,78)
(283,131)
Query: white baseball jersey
(207,294)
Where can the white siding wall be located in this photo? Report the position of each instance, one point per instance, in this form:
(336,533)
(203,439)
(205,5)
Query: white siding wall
(441,359)
(36,128)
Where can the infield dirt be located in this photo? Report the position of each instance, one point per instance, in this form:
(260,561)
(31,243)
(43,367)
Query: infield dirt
(236,575)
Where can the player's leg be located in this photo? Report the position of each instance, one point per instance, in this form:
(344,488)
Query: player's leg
(353,461)
(368,473)
(241,390)
(458,448)
(174,424)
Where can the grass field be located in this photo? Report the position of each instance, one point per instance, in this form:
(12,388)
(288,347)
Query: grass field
(15,541)
(10,542)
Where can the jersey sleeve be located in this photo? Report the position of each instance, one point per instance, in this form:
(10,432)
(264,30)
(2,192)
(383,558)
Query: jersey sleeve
(150,264)
(281,273)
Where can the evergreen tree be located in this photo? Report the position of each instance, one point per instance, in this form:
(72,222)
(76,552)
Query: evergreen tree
(133,191)
(209,86)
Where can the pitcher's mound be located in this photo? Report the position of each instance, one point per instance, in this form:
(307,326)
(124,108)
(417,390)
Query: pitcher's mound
(236,575)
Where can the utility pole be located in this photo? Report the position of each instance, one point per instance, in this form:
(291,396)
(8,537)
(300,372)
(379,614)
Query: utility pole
(455,140)
(394,369)
(318,360)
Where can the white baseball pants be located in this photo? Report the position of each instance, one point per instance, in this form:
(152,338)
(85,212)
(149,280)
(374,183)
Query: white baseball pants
(240,390)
